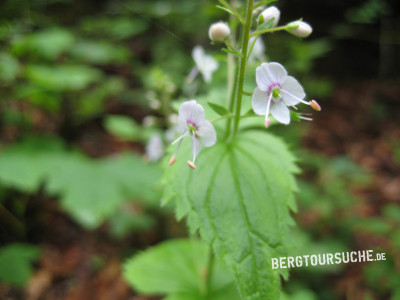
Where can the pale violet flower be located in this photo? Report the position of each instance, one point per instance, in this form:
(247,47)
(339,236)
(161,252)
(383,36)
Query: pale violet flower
(205,64)
(192,122)
(258,51)
(155,148)
(276,91)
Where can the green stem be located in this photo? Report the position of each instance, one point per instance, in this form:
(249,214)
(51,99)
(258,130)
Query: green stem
(242,68)
(257,33)
(232,73)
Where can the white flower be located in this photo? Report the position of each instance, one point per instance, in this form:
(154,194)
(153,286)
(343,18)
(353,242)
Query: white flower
(299,28)
(218,32)
(269,13)
(205,64)
(258,49)
(155,148)
(192,122)
(276,91)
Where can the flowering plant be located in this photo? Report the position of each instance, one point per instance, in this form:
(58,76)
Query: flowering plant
(237,193)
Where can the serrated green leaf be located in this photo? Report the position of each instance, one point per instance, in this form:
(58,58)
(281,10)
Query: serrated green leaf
(177,268)
(15,263)
(222,111)
(239,198)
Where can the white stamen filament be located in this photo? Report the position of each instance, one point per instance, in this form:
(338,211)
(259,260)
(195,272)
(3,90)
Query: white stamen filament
(179,138)
(268,107)
(177,147)
(194,147)
(297,98)
(305,118)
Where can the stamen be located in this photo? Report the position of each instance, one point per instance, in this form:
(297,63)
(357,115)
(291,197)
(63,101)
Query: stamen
(305,118)
(267,111)
(267,122)
(314,104)
(194,147)
(179,138)
(191,165)
(173,158)
(295,97)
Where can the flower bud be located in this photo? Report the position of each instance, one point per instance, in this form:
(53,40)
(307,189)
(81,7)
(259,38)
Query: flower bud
(268,14)
(299,28)
(218,32)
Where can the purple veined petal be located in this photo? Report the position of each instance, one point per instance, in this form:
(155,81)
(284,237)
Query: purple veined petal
(206,134)
(259,101)
(191,112)
(293,88)
(270,73)
(280,112)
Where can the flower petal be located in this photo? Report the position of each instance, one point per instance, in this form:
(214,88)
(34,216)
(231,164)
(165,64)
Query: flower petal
(198,55)
(206,133)
(207,67)
(292,86)
(192,112)
(259,101)
(280,112)
(269,73)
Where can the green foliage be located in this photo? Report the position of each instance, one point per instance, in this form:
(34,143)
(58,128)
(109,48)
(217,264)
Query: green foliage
(91,190)
(100,52)
(115,27)
(368,12)
(239,199)
(9,67)
(122,127)
(62,77)
(15,263)
(179,269)
(222,111)
(48,43)
(25,166)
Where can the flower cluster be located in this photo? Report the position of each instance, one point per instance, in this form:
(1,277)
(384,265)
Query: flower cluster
(276,91)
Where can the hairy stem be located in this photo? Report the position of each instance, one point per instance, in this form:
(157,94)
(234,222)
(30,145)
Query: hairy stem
(242,67)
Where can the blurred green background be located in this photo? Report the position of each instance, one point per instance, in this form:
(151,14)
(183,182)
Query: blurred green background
(84,87)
